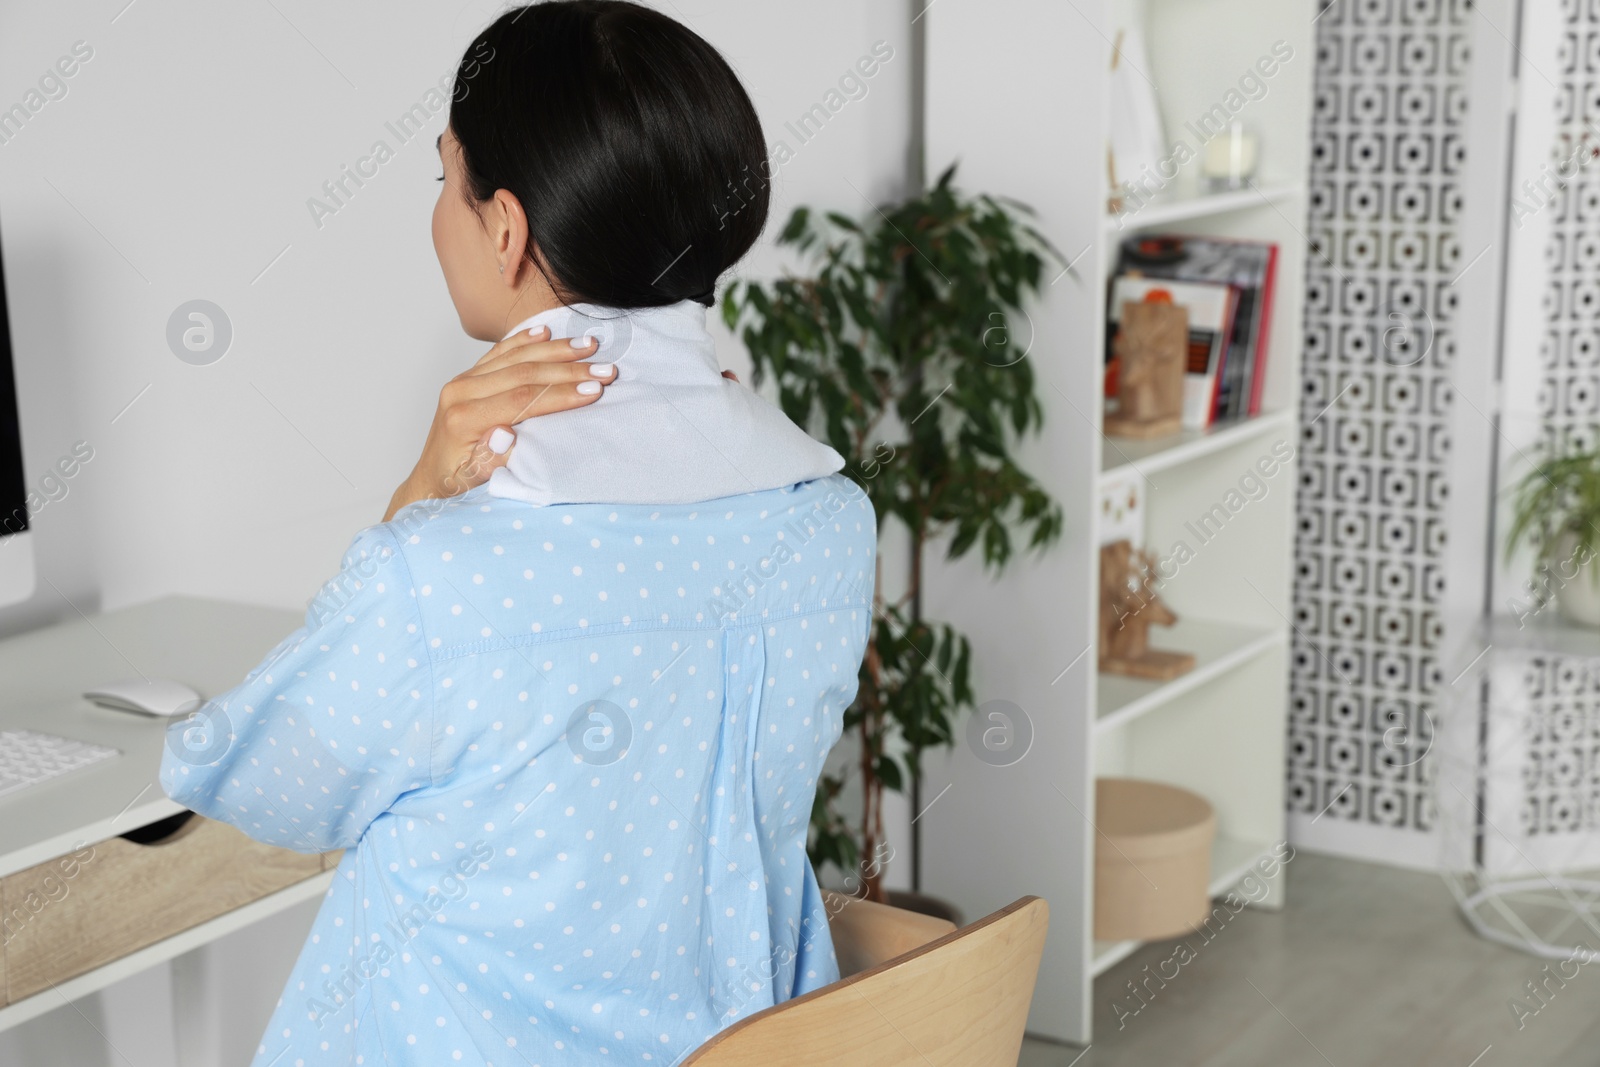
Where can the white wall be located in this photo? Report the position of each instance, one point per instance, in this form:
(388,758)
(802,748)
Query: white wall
(178,166)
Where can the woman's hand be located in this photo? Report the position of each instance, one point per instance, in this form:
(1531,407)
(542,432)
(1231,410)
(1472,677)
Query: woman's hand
(521,377)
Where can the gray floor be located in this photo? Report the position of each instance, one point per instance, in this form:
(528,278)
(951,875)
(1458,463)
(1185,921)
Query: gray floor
(1366,965)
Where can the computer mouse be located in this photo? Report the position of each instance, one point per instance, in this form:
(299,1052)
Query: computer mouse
(151,696)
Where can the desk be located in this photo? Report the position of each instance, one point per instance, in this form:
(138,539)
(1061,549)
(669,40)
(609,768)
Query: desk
(209,644)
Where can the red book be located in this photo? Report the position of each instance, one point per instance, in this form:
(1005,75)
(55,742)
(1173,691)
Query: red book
(1263,333)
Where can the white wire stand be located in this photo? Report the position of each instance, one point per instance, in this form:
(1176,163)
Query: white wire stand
(1517,785)
(1513,913)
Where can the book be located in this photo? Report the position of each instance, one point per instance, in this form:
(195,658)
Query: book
(1250,268)
(1263,332)
(1211,315)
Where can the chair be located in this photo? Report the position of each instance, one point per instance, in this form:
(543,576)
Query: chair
(916,992)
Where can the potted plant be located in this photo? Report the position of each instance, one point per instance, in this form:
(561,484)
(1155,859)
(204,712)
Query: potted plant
(1556,510)
(897,350)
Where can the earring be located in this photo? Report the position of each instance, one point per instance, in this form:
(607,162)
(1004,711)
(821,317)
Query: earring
(502,268)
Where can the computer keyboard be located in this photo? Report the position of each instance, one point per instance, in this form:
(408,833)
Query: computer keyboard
(28,758)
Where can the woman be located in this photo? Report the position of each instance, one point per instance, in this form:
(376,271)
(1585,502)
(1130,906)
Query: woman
(564,708)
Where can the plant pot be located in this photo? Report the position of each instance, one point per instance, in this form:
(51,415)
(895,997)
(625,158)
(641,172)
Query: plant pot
(1579,597)
(923,904)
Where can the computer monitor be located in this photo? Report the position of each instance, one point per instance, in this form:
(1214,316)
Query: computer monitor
(16,534)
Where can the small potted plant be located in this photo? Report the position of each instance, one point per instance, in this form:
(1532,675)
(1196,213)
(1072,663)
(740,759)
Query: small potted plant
(1556,511)
(898,351)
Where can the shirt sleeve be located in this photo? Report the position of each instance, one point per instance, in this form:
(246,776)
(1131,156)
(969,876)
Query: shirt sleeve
(331,727)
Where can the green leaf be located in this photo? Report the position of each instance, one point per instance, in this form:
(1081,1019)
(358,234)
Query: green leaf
(797,224)
(888,772)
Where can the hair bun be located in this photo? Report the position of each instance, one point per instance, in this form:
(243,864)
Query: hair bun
(629,141)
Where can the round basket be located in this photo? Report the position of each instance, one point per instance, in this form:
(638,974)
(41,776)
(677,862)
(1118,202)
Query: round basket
(1152,859)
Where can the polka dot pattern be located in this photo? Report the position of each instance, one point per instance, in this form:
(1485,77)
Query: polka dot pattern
(571,753)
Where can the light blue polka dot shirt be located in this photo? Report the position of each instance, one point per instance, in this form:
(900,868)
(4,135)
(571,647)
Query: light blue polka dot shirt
(571,753)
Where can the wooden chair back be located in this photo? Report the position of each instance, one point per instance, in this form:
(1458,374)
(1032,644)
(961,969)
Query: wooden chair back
(916,992)
(867,934)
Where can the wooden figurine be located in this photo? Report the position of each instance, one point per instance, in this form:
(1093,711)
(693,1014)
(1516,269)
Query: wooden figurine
(1128,608)
(1152,350)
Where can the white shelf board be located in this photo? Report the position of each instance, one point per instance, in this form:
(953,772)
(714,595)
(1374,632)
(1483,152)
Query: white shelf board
(1218,647)
(64,993)
(1120,454)
(1165,211)
(1231,860)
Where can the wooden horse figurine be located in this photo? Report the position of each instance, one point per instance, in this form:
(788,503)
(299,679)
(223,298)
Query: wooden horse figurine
(1128,608)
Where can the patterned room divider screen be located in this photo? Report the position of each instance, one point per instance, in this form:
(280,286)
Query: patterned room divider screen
(1385,201)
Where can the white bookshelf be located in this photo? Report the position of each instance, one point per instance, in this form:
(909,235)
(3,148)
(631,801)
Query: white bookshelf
(1218,648)
(1146,457)
(1026,113)
(1189,203)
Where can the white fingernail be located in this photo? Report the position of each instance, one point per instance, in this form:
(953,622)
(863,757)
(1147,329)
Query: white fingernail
(601,370)
(588,388)
(581,342)
(500,440)
(535,331)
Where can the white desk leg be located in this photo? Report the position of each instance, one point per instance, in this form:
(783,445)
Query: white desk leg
(135,1016)
(225,991)
(196,1009)
(116,1026)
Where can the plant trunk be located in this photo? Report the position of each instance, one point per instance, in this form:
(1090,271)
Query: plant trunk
(915,766)
(867,863)
(871,823)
